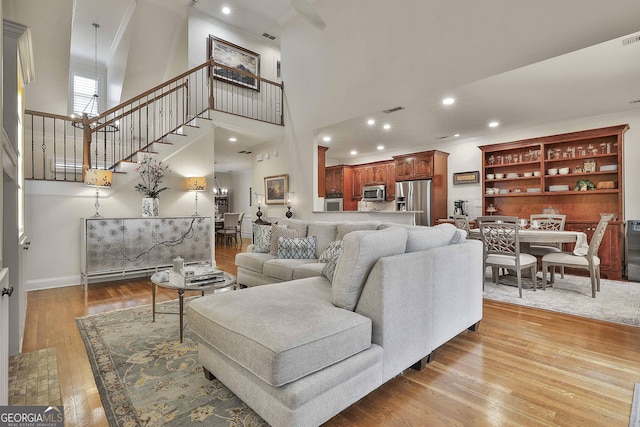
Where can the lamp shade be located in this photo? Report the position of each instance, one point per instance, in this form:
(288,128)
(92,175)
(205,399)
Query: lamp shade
(98,178)
(196,184)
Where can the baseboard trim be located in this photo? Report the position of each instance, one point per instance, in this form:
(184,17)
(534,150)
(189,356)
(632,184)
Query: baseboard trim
(53,282)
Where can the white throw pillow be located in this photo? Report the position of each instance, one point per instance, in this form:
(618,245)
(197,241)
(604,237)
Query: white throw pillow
(261,238)
(329,252)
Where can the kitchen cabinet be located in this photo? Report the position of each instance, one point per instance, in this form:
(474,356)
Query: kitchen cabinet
(339,179)
(524,177)
(391,181)
(357,173)
(411,167)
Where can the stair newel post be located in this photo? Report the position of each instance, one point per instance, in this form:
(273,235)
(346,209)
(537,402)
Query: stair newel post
(86,151)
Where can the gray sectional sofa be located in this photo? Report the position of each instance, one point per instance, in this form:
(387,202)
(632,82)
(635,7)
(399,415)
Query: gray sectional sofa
(300,351)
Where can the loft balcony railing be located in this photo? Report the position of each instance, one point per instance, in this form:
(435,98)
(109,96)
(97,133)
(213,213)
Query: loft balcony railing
(60,148)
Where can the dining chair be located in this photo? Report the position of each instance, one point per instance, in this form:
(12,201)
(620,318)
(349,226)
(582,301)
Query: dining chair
(239,229)
(502,248)
(548,222)
(229,230)
(462,222)
(589,262)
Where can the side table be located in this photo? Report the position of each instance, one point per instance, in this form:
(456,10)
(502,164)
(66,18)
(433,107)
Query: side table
(161,278)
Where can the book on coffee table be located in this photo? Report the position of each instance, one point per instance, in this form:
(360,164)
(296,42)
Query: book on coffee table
(194,276)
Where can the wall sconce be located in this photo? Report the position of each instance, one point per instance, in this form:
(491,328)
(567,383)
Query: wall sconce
(196,184)
(259,198)
(288,200)
(98,178)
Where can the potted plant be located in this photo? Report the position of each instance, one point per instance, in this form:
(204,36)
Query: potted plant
(151,173)
(584,185)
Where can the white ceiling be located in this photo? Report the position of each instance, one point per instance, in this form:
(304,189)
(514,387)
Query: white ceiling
(598,80)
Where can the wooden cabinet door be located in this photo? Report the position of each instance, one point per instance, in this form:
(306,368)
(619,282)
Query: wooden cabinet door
(357,183)
(404,168)
(423,167)
(333,179)
(380,175)
(391,181)
(368,176)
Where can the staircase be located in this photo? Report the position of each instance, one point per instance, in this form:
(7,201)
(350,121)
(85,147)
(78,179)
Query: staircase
(61,148)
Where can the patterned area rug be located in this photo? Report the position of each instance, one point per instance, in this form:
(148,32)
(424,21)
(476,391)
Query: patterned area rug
(616,302)
(147,377)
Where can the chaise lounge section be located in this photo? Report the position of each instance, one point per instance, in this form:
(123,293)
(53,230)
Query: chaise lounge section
(298,352)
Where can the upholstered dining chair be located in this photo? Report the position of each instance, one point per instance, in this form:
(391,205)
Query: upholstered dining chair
(502,248)
(239,229)
(549,222)
(462,222)
(230,228)
(589,262)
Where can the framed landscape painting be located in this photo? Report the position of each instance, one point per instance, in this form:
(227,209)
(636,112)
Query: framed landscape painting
(274,189)
(237,58)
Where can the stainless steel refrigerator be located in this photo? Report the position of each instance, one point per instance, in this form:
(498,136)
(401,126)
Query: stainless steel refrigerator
(415,196)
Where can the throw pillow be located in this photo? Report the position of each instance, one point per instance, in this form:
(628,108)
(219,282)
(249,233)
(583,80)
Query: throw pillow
(280,231)
(296,248)
(331,249)
(425,238)
(261,238)
(329,268)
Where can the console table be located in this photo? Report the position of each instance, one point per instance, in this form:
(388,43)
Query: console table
(120,246)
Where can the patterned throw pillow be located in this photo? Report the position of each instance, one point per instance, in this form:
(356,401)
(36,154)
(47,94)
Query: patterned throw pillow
(261,238)
(280,231)
(330,267)
(296,248)
(331,249)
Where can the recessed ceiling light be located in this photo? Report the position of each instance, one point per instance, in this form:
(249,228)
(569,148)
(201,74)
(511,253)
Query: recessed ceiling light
(354,152)
(371,122)
(326,139)
(456,135)
(232,139)
(387,126)
(226,10)
(448,101)
(494,124)
(380,147)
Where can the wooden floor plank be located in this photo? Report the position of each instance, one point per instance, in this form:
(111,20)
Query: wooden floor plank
(523,366)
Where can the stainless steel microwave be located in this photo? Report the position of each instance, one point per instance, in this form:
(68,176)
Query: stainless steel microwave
(374,193)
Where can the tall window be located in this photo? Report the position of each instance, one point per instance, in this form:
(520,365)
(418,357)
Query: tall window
(84,89)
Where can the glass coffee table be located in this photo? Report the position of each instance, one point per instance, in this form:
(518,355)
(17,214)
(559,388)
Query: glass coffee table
(161,278)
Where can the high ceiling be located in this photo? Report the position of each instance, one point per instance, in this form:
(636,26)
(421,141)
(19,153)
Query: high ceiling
(598,80)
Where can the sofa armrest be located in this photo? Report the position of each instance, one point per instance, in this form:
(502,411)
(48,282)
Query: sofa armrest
(397,300)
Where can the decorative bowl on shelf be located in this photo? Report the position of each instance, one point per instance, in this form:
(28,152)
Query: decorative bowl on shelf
(499,175)
(563,171)
(513,175)
(536,173)
(553,171)
(528,174)
(490,176)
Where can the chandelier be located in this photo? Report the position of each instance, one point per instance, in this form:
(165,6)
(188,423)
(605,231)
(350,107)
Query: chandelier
(93,104)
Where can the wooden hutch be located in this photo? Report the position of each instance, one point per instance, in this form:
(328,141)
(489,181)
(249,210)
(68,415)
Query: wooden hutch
(524,177)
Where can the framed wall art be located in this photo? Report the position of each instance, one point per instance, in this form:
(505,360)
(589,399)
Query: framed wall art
(236,57)
(274,189)
(466,177)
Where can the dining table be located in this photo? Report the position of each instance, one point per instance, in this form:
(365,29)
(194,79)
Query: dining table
(532,236)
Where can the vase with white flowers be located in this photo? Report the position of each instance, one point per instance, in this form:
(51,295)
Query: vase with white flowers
(151,173)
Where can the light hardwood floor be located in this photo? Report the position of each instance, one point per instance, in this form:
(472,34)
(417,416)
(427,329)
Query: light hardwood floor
(522,367)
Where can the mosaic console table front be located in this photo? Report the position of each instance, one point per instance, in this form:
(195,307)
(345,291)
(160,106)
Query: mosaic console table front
(112,246)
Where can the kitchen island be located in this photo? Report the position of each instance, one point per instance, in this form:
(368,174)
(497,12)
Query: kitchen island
(398,217)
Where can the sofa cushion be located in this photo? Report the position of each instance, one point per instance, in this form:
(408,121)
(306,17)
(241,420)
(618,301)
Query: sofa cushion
(261,238)
(325,232)
(360,251)
(282,269)
(330,251)
(425,238)
(252,261)
(286,331)
(348,227)
(284,231)
(296,248)
(310,269)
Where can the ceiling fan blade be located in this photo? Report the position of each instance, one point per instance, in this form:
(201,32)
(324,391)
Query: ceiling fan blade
(304,8)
